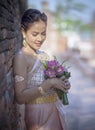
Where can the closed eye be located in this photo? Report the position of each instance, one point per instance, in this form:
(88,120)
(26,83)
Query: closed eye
(44,33)
(34,34)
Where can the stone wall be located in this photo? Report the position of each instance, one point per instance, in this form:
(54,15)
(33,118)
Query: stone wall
(10,42)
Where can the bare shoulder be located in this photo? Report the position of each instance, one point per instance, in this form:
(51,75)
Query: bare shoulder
(19,56)
(19,63)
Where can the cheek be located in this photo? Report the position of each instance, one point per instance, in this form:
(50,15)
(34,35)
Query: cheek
(44,38)
(32,38)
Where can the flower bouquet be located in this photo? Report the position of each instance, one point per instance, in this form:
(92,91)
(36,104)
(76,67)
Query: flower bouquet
(53,69)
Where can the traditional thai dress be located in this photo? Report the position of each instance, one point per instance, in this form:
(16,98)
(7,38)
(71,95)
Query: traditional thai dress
(45,112)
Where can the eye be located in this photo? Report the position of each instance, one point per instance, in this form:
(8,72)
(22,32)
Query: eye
(44,34)
(34,34)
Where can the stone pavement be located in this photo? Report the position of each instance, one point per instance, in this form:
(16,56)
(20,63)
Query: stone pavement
(80,113)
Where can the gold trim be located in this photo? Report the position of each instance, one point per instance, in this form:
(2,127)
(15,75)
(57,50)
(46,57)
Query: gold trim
(47,99)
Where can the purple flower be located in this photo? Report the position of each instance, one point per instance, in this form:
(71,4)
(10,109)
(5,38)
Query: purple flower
(50,73)
(53,69)
(52,64)
(60,70)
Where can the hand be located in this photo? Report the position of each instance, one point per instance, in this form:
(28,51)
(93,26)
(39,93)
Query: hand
(58,83)
(65,82)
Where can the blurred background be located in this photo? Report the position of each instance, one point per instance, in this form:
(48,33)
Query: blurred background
(71,25)
(71,37)
(71,34)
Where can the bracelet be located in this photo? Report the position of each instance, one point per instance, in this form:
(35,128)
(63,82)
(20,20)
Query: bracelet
(41,90)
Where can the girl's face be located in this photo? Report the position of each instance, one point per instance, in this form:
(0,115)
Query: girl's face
(35,35)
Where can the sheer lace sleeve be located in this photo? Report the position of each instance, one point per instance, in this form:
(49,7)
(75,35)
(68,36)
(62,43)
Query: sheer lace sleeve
(19,78)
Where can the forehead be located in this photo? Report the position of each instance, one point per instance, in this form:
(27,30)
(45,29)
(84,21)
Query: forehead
(37,26)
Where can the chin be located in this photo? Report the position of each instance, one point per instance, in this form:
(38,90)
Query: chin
(37,48)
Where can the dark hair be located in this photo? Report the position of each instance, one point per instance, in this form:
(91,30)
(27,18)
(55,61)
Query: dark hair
(31,16)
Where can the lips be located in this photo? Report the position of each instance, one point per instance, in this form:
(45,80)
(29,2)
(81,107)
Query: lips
(38,44)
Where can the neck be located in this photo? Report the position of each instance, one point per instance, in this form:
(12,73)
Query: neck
(30,51)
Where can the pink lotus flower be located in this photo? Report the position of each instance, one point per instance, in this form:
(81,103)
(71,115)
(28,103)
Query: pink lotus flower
(52,64)
(50,73)
(60,70)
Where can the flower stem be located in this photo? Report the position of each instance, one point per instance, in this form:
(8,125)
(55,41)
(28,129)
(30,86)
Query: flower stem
(62,96)
(65,99)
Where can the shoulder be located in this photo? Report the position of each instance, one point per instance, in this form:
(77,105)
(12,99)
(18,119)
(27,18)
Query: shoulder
(19,61)
(19,57)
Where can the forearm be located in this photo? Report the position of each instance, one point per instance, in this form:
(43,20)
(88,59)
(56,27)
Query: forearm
(29,94)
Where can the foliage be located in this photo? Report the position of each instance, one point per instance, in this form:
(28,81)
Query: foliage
(63,16)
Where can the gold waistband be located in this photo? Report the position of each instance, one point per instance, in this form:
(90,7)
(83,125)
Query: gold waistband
(47,99)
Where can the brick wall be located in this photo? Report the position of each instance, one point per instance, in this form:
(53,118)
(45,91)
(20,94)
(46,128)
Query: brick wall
(10,42)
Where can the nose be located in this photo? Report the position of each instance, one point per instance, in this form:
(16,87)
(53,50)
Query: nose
(39,38)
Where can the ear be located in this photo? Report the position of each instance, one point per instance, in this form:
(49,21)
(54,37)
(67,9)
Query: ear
(23,32)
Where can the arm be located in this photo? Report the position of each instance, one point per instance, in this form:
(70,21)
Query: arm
(22,93)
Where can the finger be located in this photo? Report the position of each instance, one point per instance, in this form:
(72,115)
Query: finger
(66,82)
(67,87)
(63,78)
(66,91)
(62,89)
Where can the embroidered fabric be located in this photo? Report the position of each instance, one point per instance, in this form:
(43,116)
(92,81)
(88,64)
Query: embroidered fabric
(19,78)
(36,76)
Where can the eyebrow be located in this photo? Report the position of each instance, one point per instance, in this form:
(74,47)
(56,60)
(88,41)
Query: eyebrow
(34,32)
(38,32)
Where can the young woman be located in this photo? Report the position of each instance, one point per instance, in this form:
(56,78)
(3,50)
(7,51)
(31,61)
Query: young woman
(43,109)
